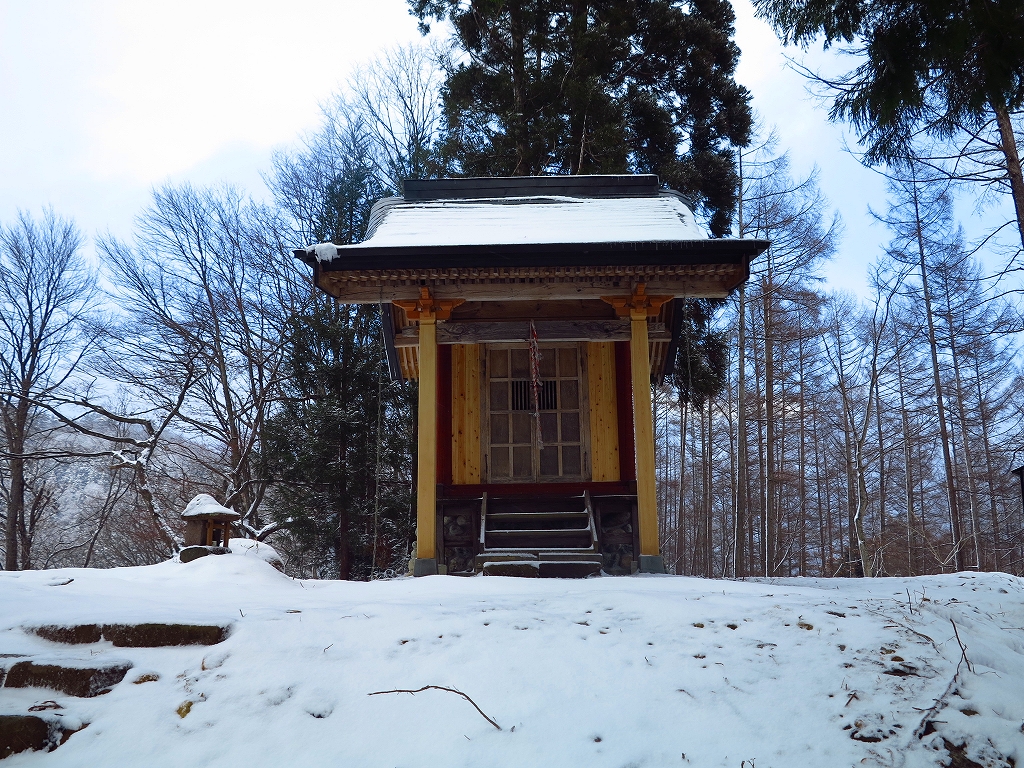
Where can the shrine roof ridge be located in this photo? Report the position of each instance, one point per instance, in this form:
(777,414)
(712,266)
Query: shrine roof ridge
(608,185)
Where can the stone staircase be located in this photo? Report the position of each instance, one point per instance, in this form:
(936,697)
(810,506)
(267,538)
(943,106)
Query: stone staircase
(538,537)
(29,724)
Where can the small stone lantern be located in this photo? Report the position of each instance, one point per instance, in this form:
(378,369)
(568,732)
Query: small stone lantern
(207,523)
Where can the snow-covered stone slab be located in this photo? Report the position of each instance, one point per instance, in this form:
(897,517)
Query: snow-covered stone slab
(146,635)
(84,678)
(34,732)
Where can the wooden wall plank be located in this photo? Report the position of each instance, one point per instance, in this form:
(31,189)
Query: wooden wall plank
(604,427)
(466,414)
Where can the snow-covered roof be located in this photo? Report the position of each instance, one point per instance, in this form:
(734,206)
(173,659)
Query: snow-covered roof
(488,235)
(204,506)
(397,223)
(518,212)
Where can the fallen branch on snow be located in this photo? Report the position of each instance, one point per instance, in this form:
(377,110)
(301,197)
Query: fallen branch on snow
(963,651)
(441,688)
(938,706)
(943,700)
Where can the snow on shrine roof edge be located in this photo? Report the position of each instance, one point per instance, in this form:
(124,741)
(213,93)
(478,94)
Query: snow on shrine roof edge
(571,221)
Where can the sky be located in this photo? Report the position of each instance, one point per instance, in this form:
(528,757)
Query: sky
(101,100)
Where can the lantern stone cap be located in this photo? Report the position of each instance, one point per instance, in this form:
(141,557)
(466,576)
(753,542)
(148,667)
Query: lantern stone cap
(205,507)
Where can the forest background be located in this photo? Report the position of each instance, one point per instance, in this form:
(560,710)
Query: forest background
(805,432)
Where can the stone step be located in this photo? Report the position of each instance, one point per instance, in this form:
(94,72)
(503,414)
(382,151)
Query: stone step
(530,541)
(535,504)
(538,520)
(134,635)
(497,556)
(75,677)
(43,732)
(544,569)
(561,555)
(545,532)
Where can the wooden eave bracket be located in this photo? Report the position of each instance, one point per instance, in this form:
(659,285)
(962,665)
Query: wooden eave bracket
(427,307)
(638,303)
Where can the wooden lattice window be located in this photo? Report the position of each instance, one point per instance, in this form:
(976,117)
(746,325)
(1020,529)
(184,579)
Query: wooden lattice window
(514,451)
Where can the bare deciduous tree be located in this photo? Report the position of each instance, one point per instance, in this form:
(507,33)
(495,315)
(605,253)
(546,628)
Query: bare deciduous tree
(46,293)
(205,298)
(397,97)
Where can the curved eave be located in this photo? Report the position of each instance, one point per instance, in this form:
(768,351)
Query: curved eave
(658,253)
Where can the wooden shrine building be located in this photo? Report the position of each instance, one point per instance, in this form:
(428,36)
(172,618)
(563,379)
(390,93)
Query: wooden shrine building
(534,312)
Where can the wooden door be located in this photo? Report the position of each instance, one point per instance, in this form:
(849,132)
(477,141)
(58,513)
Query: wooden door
(522,446)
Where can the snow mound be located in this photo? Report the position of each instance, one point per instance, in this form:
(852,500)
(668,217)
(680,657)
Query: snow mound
(604,672)
(256,549)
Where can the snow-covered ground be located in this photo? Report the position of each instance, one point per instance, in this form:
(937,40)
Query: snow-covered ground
(640,671)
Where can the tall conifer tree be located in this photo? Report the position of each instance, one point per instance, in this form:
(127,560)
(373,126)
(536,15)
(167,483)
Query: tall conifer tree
(339,448)
(608,86)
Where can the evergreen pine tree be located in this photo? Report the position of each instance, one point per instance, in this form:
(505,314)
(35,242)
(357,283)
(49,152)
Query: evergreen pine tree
(938,67)
(702,360)
(339,449)
(611,86)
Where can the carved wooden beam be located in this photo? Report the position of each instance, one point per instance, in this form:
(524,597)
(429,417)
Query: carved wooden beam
(371,292)
(519,331)
(427,307)
(638,304)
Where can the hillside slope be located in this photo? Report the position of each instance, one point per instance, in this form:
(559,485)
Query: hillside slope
(641,671)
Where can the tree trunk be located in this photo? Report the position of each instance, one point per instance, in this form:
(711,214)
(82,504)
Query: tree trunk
(858,522)
(881,466)
(954,509)
(960,395)
(762,566)
(15,426)
(708,498)
(851,456)
(729,547)
(908,471)
(15,509)
(770,520)
(518,56)
(782,519)
(742,485)
(989,473)
(681,527)
(342,555)
(1008,144)
(824,524)
(802,461)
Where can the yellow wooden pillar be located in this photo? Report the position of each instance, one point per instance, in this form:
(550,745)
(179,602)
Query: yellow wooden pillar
(426,463)
(638,307)
(427,311)
(643,434)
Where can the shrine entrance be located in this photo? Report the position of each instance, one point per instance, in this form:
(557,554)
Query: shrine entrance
(536,425)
